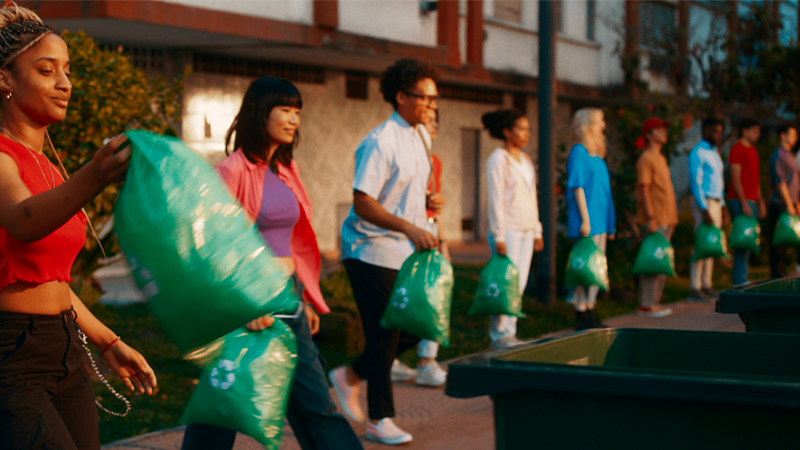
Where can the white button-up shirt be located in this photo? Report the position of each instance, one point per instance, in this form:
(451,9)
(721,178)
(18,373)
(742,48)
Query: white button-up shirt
(392,166)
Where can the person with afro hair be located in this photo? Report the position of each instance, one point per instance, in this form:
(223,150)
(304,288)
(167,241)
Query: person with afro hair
(387,222)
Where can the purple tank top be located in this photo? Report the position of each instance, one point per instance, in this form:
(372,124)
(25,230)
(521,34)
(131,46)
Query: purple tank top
(277,215)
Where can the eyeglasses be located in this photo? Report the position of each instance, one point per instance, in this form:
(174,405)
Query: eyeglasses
(425,98)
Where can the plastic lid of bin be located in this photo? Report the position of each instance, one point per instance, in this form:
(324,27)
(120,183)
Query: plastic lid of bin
(784,292)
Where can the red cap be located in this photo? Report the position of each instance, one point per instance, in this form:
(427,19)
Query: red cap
(653,122)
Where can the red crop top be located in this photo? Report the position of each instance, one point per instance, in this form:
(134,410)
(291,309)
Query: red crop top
(50,258)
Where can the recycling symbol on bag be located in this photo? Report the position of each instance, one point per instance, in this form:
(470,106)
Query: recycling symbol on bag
(659,253)
(492,290)
(222,375)
(402,302)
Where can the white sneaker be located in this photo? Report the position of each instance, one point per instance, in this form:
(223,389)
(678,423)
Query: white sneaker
(386,432)
(401,372)
(348,396)
(506,342)
(431,374)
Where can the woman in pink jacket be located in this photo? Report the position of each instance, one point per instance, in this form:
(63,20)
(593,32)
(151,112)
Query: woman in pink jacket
(264,177)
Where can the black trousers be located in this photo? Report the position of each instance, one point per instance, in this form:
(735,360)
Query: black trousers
(46,400)
(776,252)
(372,287)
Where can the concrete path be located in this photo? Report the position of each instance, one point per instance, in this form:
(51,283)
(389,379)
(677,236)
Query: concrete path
(439,422)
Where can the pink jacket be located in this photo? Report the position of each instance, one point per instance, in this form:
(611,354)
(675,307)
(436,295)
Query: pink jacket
(245,181)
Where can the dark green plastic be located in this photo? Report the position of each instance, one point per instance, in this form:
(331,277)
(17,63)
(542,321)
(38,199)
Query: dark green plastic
(421,297)
(498,289)
(587,265)
(746,234)
(655,257)
(640,388)
(767,307)
(709,242)
(787,230)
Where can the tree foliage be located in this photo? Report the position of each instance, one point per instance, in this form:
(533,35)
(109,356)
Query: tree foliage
(109,96)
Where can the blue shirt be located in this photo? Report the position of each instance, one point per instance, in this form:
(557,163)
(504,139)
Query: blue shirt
(591,174)
(392,166)
(706,174)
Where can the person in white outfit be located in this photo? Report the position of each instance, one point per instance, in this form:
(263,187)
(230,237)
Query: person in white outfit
(428,372)
(514,227)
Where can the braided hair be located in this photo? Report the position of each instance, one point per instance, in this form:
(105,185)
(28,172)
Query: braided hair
(20,29)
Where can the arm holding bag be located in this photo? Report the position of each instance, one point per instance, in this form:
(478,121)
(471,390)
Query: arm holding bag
(746,234)
(656,256)
(587,265)
(787,231)
(246,385)
(421,297)
(203,266)
(498,289)
(709,242)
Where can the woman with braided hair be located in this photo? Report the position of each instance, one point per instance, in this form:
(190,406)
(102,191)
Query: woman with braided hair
(46,400)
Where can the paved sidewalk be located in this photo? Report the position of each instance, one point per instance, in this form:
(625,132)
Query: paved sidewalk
(443,423)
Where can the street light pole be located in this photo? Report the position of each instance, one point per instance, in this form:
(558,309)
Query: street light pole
(547,165)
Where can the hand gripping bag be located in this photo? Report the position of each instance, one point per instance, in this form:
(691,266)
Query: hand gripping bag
(587,265)
(656,256)
(421,297)
(746,234)
(787,230)
(498,289)
(203,266)
(709,242)
(246,383)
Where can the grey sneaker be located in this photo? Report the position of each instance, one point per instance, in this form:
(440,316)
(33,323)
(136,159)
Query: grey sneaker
(506,342)
(431,374)
(401,372)
(386,432)
(655,311)
(697,296)
(711,293)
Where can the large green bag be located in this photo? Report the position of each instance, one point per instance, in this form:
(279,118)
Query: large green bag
(421,297)
(709,242)
(498,289)
(587,265)
(246,383)
(787,230)
(655,257)
(746,234)
(191,249)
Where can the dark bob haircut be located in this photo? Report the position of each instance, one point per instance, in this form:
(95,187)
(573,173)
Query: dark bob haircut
(403,75)
(249,128)
(497,121)
(783,128)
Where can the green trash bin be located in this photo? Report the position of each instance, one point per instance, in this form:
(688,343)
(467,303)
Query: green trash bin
(767,307)
(640,389)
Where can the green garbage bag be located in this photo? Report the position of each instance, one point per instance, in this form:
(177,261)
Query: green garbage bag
(787,230)
(246,384)
(498,289)
(192,251)
(746,234)
(421,297)
(709,242)
(655,257)
(587,265)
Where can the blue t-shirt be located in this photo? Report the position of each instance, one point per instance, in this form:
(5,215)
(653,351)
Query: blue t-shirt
(591,174)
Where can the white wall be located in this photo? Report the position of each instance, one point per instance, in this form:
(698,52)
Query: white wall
(394,20)
(300,11)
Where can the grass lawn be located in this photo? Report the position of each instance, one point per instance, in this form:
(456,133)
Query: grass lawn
(176,378)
